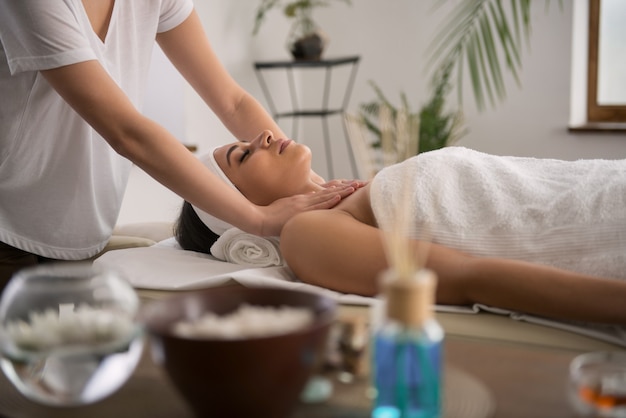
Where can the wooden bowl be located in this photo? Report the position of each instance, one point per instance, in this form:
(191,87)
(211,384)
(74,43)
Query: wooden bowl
(247,377)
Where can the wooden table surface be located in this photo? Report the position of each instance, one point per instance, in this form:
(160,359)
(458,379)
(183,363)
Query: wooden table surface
(525,381)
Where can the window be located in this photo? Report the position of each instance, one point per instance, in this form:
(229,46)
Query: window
(606,85)
(598,85)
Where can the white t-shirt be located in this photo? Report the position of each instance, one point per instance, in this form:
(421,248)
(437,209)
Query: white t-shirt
(61,184)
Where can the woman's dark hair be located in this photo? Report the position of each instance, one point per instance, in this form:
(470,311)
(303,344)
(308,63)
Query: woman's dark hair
(191,233)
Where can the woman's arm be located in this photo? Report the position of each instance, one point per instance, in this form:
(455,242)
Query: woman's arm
(333,250)
(546,291)
(189,49)
(87,87)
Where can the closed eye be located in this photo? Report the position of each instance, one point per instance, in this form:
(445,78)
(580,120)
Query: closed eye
(245,153)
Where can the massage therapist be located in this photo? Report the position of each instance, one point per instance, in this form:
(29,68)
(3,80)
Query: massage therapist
(72,78)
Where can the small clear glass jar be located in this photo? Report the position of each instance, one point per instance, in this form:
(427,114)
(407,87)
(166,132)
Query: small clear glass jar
(68,333)
(597,384)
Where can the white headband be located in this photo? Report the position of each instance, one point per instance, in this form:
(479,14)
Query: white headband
(216,225)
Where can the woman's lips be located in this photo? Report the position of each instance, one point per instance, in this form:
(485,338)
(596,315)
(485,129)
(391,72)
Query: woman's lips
(284,144)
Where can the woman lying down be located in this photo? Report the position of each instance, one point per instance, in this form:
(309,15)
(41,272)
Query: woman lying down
(545,237)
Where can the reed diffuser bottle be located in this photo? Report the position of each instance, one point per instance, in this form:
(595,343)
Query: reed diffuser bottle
(407,349)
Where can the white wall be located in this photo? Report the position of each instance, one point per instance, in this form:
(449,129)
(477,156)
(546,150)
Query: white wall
(392,37)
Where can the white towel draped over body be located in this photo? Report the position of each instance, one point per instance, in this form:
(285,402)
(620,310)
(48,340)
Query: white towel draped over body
(568,214)
(238,247)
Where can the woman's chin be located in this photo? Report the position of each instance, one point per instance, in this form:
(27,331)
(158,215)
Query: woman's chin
(302,149)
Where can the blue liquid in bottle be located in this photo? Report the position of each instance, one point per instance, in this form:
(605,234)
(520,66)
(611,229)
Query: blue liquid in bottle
(407,356)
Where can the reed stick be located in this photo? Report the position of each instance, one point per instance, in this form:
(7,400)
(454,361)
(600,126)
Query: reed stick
(400,139)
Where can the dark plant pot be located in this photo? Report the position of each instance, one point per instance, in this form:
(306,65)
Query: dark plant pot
(308,48)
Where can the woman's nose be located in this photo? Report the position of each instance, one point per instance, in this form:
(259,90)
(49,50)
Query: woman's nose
(266,138)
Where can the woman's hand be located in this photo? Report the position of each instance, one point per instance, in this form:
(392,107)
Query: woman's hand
(280,211)
(316,178)
(357,184)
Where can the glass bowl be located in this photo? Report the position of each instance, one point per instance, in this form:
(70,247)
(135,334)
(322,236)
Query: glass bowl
(68,333)
(597,384)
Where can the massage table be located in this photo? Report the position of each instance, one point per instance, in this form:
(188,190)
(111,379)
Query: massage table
(147,255)
(511,361)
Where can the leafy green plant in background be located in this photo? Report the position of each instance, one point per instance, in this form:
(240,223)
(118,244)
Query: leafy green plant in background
(305,40)
(488,37)
(436,127)
(484,36)
(299,10)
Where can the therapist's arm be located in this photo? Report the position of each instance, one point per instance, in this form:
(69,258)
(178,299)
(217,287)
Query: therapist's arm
(189,49)
(90,91)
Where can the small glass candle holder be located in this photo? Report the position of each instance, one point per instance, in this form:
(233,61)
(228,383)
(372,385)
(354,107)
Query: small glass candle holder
(597,384)
(68,333)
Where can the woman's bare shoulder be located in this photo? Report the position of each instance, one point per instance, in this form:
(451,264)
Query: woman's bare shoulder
(358,206)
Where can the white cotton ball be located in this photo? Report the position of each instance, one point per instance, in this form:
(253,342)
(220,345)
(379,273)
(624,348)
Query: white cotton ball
(246,322)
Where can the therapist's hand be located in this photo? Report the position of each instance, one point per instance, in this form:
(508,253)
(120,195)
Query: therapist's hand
(357,184)
(279,212)
(316,178)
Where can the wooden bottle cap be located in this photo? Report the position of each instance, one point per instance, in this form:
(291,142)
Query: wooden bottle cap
(410,299)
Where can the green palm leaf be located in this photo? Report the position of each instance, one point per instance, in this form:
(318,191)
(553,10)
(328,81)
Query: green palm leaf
(486,37)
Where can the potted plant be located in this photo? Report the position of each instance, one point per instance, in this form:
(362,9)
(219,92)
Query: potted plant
(399,132)
(305,40)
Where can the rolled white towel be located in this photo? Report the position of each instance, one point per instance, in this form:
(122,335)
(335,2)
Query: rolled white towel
(239,247)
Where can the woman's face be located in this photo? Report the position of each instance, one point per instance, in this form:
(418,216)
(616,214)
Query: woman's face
(266,169)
